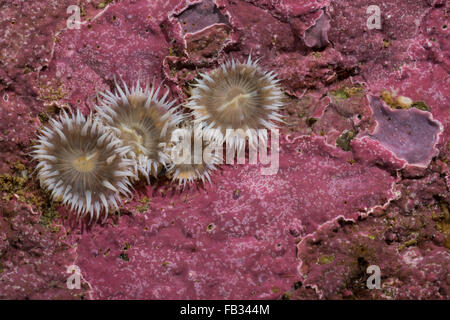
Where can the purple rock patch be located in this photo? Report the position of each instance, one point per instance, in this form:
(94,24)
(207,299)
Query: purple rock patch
(199,16)
(317,35)
(410,134)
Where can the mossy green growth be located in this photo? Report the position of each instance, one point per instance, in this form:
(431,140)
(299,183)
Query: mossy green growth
(344,140)
(48,216)
(347,92)
(16,185)
(420,105)
(443,223)
(144,204)
(145,200)
(340,93)
(51,92)
(103,4)
(286,296)
(43,117)
(407,244)
(19,166)
(175,52)
(325,259)
(401,102)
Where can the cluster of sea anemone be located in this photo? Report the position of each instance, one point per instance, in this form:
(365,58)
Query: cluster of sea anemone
(88,162)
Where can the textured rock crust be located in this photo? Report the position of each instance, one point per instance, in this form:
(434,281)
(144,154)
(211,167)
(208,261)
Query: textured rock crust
(359,183)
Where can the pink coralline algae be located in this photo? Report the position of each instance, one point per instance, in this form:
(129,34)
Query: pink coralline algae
(361,182)
(229,241)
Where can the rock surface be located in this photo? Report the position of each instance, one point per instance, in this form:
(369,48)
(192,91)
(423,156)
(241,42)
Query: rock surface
(363,179)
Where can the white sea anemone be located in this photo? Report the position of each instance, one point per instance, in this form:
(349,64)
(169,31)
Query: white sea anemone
(238,96)
(192,157)
(143,120)
(83,164)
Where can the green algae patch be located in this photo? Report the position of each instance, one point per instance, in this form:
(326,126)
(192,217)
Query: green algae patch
(442,221)
(316,55)
(406,244)
(43,117)
(14,185)
(286,296)
(103,4)
(325,259)
(48,216)
(11,184)
(19,166)
(387,97)
(175,52)
(345,139)
(347,92)
(401,102)
(17,186)
(144,204)
(50,92)
(420,105)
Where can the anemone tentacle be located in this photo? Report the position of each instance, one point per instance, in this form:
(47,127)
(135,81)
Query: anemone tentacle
(187,164)
(82,164)
(143,120)
(238,96)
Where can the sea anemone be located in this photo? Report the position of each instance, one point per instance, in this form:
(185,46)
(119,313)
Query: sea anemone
(192,157)
(141,121)
(83,164)
(238,96)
